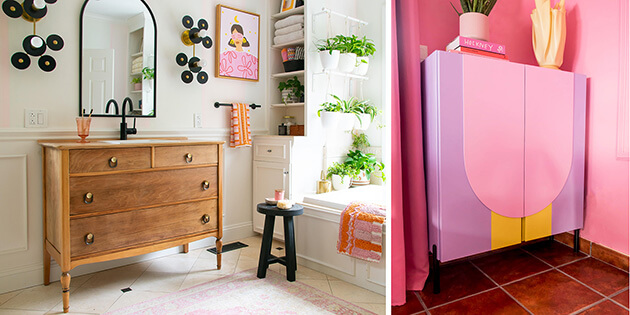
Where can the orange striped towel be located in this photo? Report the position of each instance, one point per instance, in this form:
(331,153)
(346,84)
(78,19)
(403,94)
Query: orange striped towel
(240,135)
(361,231)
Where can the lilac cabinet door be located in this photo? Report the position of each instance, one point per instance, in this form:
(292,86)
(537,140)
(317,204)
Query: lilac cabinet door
(494,124)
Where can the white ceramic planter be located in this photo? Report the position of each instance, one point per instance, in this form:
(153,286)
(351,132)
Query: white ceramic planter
(287,99)
(364,123)
(361,67)
(339,184)
(474,25)
(376,178)
(347,62)
(346,121)
(361,179)
(330,120)
(329,60)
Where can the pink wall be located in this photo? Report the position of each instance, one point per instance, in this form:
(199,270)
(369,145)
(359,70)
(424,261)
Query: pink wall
(592,49)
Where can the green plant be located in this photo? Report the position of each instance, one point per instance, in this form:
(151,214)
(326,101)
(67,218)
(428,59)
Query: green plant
(363,162)
(328,107)
(363,47)
(341,169)
(479,6)
(136,80)
(360,141)
(293,84)
(148,73)
(366,108)
(329,44)
(356,107)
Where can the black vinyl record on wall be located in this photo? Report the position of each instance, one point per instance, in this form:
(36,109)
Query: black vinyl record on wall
(207,42)
(187,21)
(47,63)
(187,76)
(181,59)
(12,8)
(202,77)
(20,60)
(54,42)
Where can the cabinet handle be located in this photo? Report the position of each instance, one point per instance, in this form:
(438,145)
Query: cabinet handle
(89,239)
(286,172)
(88,198)
(188,157)
(113,162)
(205,219)
(205,185)
(269,150)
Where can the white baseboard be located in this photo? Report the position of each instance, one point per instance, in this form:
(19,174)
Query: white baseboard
(32,275)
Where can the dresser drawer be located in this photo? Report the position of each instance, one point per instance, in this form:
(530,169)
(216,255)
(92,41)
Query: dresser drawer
(272,151)
(186,155)
(135,228)
(131,190)
(103,160)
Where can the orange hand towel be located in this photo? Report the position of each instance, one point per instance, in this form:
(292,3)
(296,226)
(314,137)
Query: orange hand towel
(240,135)
(360,231)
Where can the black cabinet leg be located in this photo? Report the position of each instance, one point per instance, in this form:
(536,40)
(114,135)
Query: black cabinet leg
(265,248)
(289,243)
(436,271)
(576,241)
(551,238)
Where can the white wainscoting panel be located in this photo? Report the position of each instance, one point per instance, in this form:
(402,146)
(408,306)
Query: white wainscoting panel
(13,204)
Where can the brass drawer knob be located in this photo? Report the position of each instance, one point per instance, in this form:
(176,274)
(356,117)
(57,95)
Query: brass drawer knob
(188,157)
(113,162)
(205,185)
(88,198)
(205,219)
(89,239)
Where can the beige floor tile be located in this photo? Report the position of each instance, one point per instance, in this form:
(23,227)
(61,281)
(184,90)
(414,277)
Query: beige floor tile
(172,264)
(117,278)
(321,285)
(376,308)
(246,263)
(353,293)
(19,312)
(210,265)
(39,298)
(229,256)
(196,278)
(7,296)
(90,300)
(159,281)
(134,297)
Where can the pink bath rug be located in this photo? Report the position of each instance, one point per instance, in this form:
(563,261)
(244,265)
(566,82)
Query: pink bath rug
(244,293)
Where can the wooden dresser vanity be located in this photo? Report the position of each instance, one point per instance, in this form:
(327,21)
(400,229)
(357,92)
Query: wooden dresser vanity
(106,200)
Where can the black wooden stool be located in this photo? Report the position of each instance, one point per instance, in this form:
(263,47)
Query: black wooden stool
(266,258)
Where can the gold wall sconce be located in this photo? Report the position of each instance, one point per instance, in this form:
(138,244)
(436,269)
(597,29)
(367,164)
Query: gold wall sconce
(191,37)
(34,45)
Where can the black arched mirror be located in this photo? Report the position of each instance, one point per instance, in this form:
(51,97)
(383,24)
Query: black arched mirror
(118,53)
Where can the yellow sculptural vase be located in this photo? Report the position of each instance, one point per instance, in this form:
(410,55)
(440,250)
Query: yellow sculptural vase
(549,33)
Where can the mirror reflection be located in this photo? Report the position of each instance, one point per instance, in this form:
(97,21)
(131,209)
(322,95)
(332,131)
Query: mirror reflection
(117,57)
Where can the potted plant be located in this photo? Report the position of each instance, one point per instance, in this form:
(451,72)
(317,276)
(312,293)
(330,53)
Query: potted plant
(349,110)
(292,90)
(473,20)
(330,114)
(363,48)
(137,83)
(365,114)
(148,73)
(360,141)
(347,58)
(365,164)
(329,52)
(340,174)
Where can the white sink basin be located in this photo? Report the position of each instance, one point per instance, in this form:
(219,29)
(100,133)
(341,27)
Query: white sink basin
(139,141)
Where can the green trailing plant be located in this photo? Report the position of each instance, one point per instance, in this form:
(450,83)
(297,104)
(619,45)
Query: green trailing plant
(148,73)
(360,141)
(294,85)
(367,108)
(136,80)
(479,6)
(329,44)
(341,169)
(356,107)
(329,107)
(363,47)
(363,162)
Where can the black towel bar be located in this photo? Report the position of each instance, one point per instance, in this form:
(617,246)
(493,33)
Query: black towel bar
(252,106)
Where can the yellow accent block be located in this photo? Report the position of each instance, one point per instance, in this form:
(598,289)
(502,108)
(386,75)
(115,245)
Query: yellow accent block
(537,225)
(505,231)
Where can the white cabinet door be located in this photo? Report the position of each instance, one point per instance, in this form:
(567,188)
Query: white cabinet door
(268,177)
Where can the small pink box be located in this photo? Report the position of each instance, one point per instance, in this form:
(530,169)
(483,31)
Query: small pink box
(279,194)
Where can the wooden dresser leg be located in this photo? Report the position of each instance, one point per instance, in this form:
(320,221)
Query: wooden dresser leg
(219,244)
(186,248)
(65,287)
(46,266)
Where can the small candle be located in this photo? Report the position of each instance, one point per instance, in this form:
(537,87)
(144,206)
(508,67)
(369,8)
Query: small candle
(279,194)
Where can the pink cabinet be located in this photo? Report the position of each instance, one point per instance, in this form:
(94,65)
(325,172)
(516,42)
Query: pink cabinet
(504,152)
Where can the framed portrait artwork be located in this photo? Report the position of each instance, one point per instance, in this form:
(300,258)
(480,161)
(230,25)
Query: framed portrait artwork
(287,5)
(237,43)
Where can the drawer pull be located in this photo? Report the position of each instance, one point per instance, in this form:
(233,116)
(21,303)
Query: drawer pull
(88,198)
(188,157)
(269,151)
(113,162)
(205,185)
(89,239)
(205,219)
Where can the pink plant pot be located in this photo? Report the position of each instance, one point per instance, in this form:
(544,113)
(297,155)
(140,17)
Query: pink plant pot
(474,25)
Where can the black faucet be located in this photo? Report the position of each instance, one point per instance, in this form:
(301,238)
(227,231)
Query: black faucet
(109,103)
(124,131)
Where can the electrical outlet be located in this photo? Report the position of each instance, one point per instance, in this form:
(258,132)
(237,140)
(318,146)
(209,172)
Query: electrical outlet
(35,118)
(197,120)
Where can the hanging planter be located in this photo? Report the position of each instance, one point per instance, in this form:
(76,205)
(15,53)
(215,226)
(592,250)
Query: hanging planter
(330,120)
(362,121)
(473,20)
(362,66)
(347,62)
(329,59)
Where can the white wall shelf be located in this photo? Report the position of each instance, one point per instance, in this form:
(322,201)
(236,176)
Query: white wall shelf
(282,105)
(291,43)
(288,74)
(342,74)
(281,15)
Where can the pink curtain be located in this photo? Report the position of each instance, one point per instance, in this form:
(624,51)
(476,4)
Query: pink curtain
(409,252)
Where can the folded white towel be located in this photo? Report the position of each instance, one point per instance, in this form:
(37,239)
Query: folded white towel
(136,69)
(283,39)
(289,29)
(293,19)
(137,61)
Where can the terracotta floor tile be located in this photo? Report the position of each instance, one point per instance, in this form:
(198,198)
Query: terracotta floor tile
(412,306)
(456,281)
(509,266)
(553,252)
(607,308)
(491,302)
(602,277)
(610,256)
(622,298)
(552,293)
